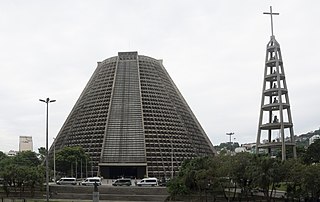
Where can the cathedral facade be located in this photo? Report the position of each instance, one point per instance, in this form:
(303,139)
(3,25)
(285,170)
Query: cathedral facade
(132,121)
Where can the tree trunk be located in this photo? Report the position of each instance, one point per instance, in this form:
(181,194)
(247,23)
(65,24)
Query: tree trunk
(71,174)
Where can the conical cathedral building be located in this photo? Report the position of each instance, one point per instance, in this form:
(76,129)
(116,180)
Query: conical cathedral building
(132,121)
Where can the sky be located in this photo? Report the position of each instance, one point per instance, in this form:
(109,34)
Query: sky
(214,50)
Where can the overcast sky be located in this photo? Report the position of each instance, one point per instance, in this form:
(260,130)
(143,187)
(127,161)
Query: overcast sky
(213,50)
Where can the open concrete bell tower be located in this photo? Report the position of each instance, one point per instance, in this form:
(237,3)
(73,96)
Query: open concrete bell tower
(275,121)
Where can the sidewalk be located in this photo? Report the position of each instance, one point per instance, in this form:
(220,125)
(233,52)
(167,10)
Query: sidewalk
(55,200)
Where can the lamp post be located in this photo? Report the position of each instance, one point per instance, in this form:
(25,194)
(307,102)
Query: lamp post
(47,101)
(230,135)
(171,158)
(54,159)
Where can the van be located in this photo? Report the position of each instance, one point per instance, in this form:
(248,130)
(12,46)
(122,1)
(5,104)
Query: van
(91,181)
(152,181)
(67,180)
(122,182)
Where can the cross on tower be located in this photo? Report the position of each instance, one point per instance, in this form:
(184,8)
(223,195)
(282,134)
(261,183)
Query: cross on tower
(271,18)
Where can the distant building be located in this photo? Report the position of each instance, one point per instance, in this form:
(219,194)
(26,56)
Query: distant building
(12,153)
(240,149)
(313,139)
(249,147)
(25,143)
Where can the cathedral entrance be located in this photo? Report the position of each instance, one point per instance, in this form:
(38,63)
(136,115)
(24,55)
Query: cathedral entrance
(115,172)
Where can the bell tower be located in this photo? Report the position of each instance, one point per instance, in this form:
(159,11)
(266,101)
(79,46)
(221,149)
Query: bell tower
(275,121)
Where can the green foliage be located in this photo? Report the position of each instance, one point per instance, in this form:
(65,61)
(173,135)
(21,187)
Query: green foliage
(26,158)
(301,152)
(247,173)
(2,156)
(42,153)
(21,171)
(312,153)
(230,146)
(196,175)
(311,181)
(177,187)
(269,174)
(68,157)
(243,172)
(294,175)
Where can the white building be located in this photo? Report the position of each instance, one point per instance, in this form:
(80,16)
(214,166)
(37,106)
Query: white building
(12,153)
(313,138)
(25,143)
(240,149)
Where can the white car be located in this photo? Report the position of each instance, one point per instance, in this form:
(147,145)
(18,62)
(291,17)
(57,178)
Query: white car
(91,181)
(151,181)
(67,180)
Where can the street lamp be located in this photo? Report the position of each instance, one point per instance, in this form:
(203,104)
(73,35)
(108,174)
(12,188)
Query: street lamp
(54,159)
(230,135)
(47,101)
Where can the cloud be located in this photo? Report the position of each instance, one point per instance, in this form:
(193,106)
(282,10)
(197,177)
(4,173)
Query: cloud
(214,52)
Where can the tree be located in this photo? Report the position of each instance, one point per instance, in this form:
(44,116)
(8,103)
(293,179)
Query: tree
(269,174)
(311,182)
(177,186)
(227,145)
(7,173)
(2,155)
(35,177)
(68,157)
(26,158)
(294,178)
(21,171)
(42,153)
(301,152)
(245,172)
(312,153)
(242,172)
(224,171)
(196,176)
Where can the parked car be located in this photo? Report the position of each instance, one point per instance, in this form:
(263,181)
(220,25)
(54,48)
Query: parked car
(90,181)
(122,182)
(163,182)
(67,181)
(152,181)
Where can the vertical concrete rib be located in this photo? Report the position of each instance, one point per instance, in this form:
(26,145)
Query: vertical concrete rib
(124,139)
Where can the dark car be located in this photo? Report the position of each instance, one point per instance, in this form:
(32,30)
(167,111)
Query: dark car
(164,182)
(122,182)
